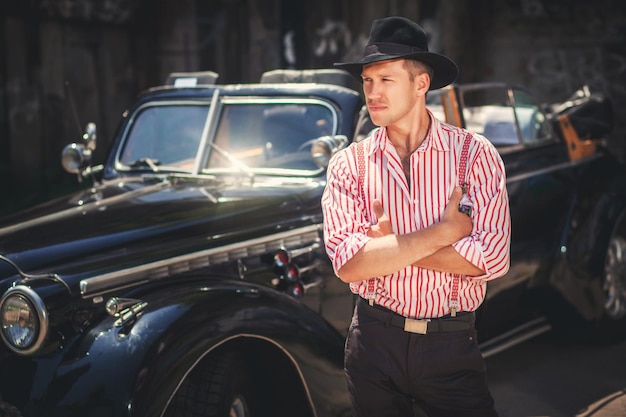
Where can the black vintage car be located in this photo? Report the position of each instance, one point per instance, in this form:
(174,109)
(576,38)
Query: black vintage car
(190,278)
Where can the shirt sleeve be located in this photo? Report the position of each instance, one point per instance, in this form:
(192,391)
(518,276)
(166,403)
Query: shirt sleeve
(488,246)
(345,221)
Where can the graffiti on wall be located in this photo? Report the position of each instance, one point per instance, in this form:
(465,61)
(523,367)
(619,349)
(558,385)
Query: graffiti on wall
(569,68)
(24,105)
(108,11)
(591,52)
(588,18)
(331,38)
(334,42)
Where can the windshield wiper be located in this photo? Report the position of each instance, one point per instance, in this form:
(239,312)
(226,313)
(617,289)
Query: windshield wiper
(146,162)
(236,162)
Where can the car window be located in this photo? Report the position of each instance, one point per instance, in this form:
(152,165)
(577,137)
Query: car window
(258,134)
(534,126)
(488,111)
(169,135)
(270,134)
(506,116)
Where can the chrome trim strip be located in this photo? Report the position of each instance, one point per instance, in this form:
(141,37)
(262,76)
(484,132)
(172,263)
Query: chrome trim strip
(552,168)
(94,205)
(304,250)
(208,131)
(515,337)
(159,269)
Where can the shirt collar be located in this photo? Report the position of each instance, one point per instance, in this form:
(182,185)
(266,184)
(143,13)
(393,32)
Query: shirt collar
(434,138)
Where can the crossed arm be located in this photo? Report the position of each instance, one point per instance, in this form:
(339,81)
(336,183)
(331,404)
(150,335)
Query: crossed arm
(427,248)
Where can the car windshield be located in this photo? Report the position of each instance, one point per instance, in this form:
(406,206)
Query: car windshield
(490,112)
(256,135)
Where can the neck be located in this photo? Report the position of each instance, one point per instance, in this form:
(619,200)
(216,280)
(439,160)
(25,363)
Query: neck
(407,140)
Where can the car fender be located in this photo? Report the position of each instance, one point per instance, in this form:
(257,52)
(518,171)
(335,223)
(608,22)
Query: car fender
(576,273)
(135,369)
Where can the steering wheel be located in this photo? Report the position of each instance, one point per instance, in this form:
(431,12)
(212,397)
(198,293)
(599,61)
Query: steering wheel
(306,144)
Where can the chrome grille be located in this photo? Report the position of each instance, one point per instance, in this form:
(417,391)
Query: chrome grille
(292,240)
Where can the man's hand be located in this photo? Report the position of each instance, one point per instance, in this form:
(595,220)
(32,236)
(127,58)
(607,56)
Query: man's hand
(456,224)
(452,227)
(383,227)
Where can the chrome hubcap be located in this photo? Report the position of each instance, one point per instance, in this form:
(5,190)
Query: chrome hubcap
(238,408)
(614,285)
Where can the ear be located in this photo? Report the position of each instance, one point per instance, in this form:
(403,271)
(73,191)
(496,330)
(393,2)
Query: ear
(422,83)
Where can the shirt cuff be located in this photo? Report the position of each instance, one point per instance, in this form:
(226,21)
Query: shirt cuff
(470,250)
(347,249)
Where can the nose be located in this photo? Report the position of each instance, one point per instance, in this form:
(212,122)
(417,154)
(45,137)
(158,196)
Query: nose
(371,90)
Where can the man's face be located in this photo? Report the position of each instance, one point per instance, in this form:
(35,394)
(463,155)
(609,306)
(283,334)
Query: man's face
(389,92)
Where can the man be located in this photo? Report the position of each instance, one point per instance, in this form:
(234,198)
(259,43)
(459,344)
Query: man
(395,231)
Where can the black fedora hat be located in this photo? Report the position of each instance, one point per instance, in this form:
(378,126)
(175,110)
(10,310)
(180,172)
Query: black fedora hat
(397,37)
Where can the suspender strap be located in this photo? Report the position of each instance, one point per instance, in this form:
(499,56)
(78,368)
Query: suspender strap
(360,161)
(370,291)
(463,159)
(454,302)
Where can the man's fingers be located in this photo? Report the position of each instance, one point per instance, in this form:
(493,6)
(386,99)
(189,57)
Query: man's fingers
(378,209)
(383,225)
(457,193)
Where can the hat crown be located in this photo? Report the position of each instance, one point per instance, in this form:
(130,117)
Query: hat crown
(398,30)
(398,37)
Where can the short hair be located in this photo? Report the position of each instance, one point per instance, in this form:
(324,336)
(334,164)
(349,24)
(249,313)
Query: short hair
(415,67)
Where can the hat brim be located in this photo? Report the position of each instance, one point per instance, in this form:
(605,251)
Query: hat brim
(445,70)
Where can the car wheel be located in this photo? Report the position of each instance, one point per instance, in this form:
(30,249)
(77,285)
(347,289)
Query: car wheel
(222,387)
(614,279)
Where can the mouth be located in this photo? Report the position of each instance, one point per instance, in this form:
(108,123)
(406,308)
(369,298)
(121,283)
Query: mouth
(373,107)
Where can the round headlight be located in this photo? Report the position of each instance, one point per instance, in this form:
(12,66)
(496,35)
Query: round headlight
(23,320)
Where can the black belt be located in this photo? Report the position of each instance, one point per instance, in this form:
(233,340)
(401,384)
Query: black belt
(462,321)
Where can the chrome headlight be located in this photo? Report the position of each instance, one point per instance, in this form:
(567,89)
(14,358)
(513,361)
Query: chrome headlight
(23,320)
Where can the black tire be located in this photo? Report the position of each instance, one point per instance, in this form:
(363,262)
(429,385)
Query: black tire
(221,387)
(613,323)
(614,279)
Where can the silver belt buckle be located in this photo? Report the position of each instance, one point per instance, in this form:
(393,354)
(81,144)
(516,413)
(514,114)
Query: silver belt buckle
(416,326)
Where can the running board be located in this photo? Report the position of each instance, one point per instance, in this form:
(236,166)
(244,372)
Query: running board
(514,337)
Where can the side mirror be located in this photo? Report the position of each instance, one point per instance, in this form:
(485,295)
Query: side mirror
(591,114)
(75,157)
(325,147)
(90,135)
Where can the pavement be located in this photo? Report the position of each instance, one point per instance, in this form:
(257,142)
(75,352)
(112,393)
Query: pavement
(613,405)
(549,376)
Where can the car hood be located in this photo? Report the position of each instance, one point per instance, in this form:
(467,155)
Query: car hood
(124,223)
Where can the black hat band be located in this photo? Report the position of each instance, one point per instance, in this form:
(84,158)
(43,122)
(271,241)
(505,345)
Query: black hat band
(389,48)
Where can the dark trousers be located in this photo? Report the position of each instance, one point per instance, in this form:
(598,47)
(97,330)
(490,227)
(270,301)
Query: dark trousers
(389,369)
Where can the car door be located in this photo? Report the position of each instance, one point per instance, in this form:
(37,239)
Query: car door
(539,184)
(541,190)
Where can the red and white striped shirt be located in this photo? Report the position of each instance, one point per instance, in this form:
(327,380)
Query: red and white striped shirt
(417,292)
